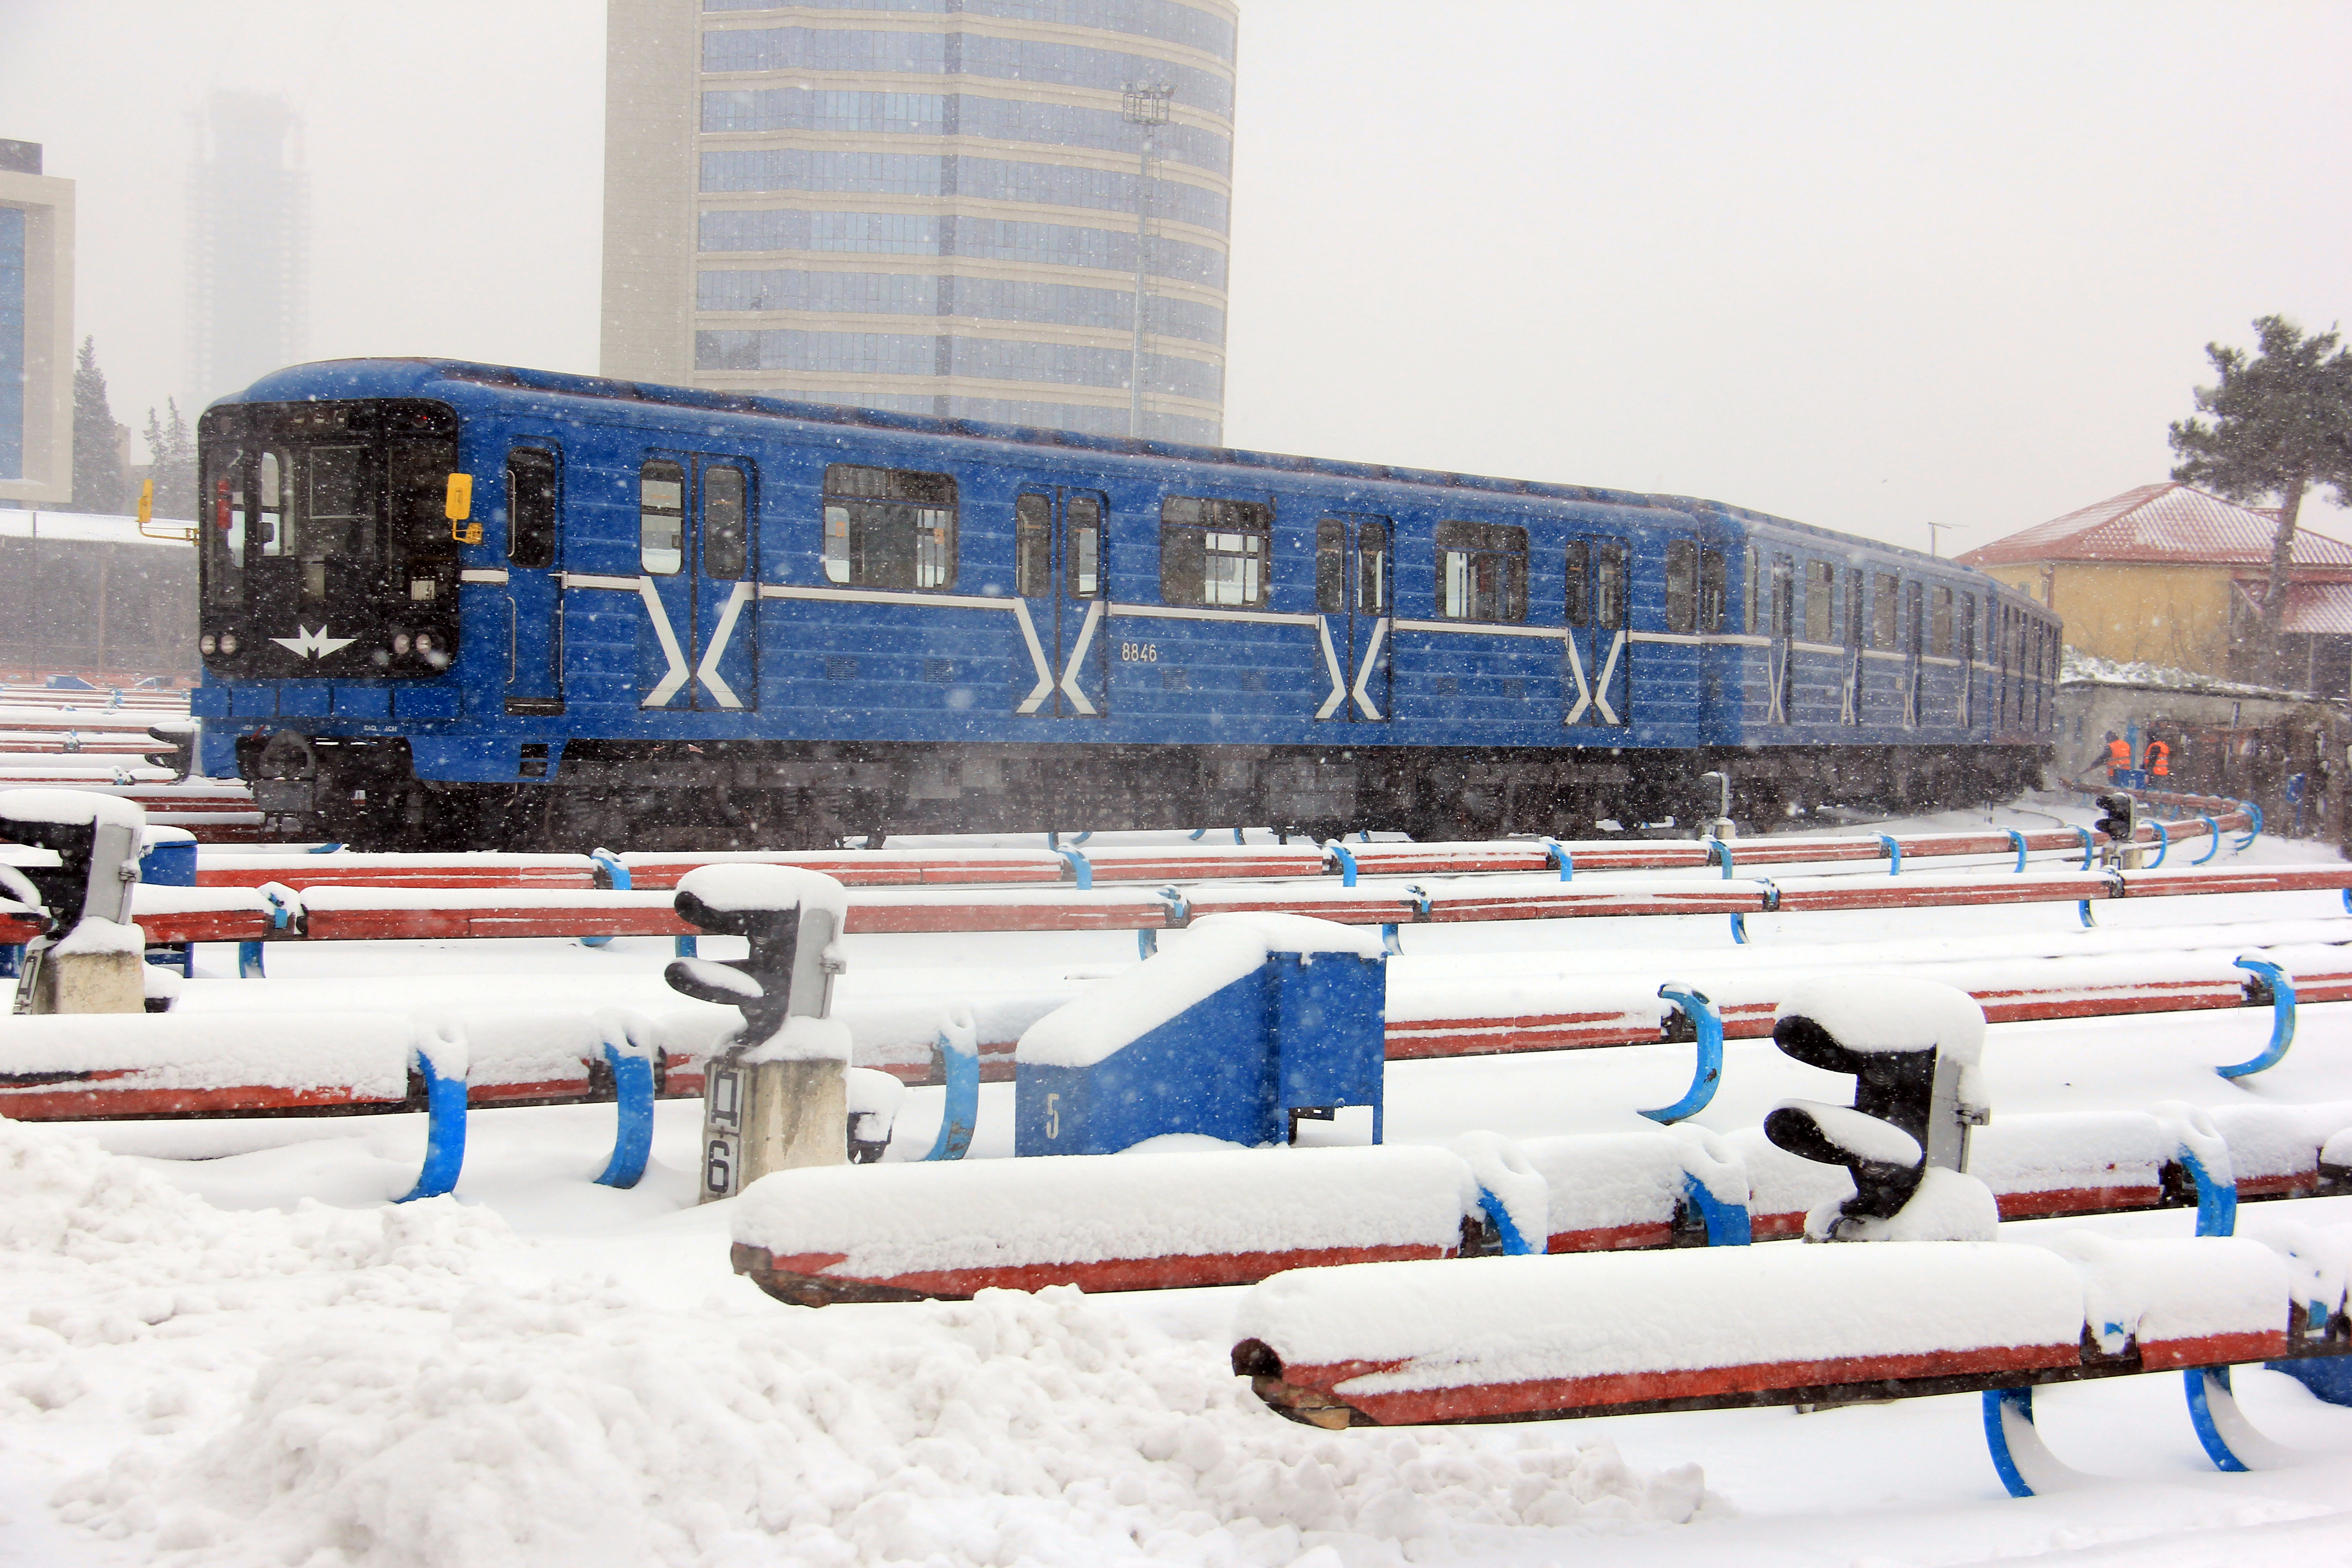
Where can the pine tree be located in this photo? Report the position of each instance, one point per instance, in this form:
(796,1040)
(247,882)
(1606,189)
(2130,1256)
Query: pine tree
(2282,424)
(96,460)
(172,451)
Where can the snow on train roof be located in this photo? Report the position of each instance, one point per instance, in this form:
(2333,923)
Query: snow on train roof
(334,378)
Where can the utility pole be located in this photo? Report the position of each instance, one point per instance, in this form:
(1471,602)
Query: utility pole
(1144,104)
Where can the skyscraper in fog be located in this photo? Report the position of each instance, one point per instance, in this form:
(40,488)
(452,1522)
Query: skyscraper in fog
(248,243)
(927,205)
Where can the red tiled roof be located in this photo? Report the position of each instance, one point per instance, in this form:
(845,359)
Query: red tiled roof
(2173,523)
(2324,607)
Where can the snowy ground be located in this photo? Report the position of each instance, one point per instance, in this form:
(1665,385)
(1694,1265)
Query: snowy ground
(219,1343)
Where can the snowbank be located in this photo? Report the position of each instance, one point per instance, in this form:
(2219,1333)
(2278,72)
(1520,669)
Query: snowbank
(2166,1293)
(112,1052)
(377,1390)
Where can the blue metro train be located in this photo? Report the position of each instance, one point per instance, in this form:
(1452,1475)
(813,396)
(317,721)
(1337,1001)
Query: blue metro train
(447,603)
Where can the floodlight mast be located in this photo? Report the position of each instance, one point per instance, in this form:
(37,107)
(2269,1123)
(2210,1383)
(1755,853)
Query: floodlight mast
(1144,104)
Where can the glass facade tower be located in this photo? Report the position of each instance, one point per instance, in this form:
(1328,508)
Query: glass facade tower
(926,205)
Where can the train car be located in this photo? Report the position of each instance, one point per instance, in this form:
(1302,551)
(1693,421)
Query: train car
(448,604)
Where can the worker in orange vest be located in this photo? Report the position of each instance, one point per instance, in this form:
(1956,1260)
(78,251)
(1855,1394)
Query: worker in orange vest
(2159,759)
(2119,758)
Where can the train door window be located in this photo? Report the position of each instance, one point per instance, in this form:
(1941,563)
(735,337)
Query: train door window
(1612,584)
(1915,599)
(1784,597)
(1032,546)
(1885,610)
(661,516)
(725,550)
(889,528)
(1084,513)
(530,507)
(334,522)
(1821,602)
(1710,591)
(1967,638)
(1580,582)
(1214,552)
(1682,585)
(1330,566)
(1942,642)
(225,539)
(1748,591)
(1372,567)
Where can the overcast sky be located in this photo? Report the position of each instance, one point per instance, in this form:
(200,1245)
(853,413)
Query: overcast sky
(1867,266)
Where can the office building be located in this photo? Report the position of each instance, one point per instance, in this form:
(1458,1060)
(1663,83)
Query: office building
(926,206)
(248,245)
(36,230)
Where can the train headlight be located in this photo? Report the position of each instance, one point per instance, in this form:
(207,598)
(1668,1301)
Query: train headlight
(400,642)
(207,643)
(425,642)
(228,642)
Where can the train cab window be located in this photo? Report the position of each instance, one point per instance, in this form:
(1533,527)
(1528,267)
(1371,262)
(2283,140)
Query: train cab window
(1710,591)
(1940,642)
(1821,602)
(1682,585)
(661,518)
(1580,582)
(223,540)
(889,528)
(417,490)
(1482,571)
(725,548)
(1032,546)
(530,507)
(1085,516)
(1612,582)
(1214,552)
(271,482)
(1885,610)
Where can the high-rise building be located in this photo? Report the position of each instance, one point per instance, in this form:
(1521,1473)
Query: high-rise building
(36,230)
(926,205)
(248,243)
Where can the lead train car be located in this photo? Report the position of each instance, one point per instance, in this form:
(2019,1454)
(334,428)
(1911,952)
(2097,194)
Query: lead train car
(674,617)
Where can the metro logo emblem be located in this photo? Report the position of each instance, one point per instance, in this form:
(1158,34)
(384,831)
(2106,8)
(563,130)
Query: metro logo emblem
(310,644)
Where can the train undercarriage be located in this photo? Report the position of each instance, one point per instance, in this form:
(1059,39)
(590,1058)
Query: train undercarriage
(797,795)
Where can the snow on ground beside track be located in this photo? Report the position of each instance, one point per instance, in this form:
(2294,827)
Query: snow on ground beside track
(219,1345)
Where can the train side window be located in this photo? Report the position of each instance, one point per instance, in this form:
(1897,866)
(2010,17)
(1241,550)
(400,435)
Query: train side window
(1821,602)
(725,544)
(1330,566)
(661,516)
(1612,586)
(1372,567)
(1941,643)
(1482,571)
(530,507)
(1885,610)
(1710,591)
(1084,515)
(1682,585)
(1214,552)
(889,528)
(1032,546)
(1580,582)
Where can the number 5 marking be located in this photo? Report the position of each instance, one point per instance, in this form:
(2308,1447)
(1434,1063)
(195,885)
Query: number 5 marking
(1052,1117)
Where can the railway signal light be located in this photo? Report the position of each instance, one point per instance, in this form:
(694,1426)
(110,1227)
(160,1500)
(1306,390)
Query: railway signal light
(2121,822)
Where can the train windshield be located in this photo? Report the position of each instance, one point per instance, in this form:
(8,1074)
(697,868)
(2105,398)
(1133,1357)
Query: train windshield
(326,512)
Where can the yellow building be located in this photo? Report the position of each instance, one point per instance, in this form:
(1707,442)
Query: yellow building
(2168,575)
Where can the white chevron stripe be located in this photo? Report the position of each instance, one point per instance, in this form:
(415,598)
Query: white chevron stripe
(669,684)
(707,671)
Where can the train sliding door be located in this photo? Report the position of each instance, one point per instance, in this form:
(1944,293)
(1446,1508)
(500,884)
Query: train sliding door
(1597,686)
(1351,603)
(533,578)
(699,647)
(1062,572)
